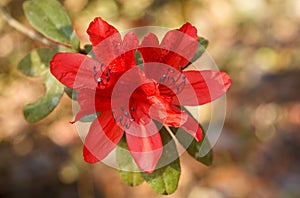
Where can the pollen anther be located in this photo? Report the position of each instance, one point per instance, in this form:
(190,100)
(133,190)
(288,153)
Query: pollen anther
(175,81)
(122,117)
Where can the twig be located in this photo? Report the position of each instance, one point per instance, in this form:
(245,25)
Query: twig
(180,148)
(21,28)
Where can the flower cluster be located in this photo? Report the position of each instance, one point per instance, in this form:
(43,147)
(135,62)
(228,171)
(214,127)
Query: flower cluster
(131,98)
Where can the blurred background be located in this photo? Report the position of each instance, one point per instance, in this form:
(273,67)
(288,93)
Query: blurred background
(258,154)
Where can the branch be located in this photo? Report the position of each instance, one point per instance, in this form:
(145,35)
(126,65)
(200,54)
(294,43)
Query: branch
(23,29)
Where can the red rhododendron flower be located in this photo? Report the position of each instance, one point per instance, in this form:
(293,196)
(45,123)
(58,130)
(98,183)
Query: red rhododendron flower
(128,97)
(190,87)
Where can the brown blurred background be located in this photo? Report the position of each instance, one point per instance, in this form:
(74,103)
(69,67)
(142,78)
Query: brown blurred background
(258,154)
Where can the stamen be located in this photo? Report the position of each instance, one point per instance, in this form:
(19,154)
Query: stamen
(122,117)
(172,80)
(99,80)
(127,125)
(107,76)
(179,76)
(96,74)
(181,86)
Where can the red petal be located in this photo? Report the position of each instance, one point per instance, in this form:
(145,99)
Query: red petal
(74,70)
(109,51)
(150,48)
(109,48)
(102,138)
(164,113)
(115,54)
(130,42)
(122,53)
(190,87)
(92,102)
(182,45)
(150,40)
(88,156)
(202,87)
(190,30)
(192,127)
(176,49)
(127,84)
(99,30)
(106,40)
(146,151)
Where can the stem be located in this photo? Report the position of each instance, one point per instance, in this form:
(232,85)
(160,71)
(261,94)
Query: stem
(23,29)
(180,148)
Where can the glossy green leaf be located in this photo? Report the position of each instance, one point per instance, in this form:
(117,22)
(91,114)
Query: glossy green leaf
(200,151)
(71,93)
(194,151)
(40,109)
(50,18)
(165,180)
(37,62)
(202,45)
(193,147)
(128,170)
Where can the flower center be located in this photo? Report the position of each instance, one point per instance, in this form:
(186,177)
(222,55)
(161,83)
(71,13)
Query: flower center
(174,80)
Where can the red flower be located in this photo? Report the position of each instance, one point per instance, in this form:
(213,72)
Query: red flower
(166,62)
(129,98)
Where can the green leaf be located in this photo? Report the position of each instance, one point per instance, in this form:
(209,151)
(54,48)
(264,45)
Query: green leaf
(138,59)
(50,18)
(37,62)
(164,180)
(75,42)
(71,93)
(193,147)
(200,151)
(87,49)
(40,109)
(202,45)
(90,118)
(195,152)
(128,170)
